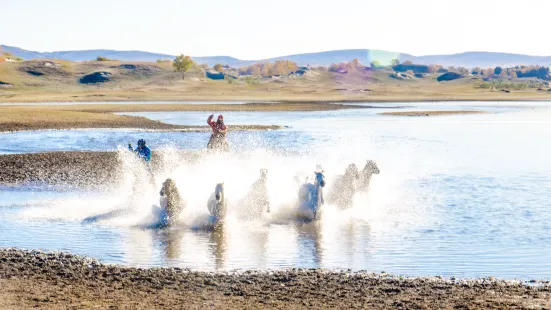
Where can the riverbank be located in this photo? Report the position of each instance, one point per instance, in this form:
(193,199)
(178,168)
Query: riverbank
(433,113)
(48,280)
(35,117)
(83,169)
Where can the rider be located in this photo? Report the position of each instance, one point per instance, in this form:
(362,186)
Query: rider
(218,132)
(143,151)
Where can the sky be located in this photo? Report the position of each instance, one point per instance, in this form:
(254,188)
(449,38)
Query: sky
(258,29)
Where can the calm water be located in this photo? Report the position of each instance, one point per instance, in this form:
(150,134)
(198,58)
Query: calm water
(463,195)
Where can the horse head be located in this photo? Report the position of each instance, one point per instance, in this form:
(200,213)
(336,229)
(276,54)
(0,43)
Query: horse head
(169,186)
(263,174)
(219,192)
(352,172)
(320,178)
(371,167)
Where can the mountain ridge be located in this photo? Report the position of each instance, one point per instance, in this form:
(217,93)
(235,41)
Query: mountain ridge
(466,59)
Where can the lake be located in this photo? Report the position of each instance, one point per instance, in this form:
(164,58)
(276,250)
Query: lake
(463,195)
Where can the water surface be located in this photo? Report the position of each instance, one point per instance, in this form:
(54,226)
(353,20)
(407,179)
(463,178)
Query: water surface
(464,195)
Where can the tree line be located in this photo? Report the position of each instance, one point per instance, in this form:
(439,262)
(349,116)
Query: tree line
(284,67)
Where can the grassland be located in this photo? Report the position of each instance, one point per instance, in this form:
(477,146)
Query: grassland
(37,81)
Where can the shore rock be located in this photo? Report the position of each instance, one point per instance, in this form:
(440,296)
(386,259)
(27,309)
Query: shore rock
(96,77)
(5,85)
(449,76)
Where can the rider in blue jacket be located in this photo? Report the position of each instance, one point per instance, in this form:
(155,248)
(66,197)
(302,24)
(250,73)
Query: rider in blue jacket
(143,151)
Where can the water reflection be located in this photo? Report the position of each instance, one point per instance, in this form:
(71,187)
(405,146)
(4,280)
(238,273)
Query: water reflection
(171,243)
(218,246)
(310,243)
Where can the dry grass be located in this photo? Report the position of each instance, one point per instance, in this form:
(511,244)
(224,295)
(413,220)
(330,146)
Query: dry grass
(162,84)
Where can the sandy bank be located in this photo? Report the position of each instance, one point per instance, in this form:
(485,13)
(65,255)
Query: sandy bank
(61,281)
(15,118)
(432,113)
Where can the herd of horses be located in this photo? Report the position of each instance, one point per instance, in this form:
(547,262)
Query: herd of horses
(308,206)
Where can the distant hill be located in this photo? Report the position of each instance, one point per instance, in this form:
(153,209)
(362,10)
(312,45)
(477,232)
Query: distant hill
(469,59)
(483,60)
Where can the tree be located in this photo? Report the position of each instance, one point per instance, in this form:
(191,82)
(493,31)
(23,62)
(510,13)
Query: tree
(255,70)
(267,69)
(434,68)
(280,68)
(498,70)
(291,65)
(477,71)
(355,63)
(408,62)
(218,68)
(462,70)
(394,62)
(375,64)
(183,64)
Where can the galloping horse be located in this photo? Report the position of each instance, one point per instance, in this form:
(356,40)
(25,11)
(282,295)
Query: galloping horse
(218,142)
(310,197)
(217,205)
(344,187)
(171,202)
(366,173)
(256,202)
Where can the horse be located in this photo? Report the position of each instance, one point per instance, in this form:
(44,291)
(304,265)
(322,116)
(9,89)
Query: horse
(365,175)
(310,197)
(217,205)
(171,202)
(345,187)
(218,142)
(256,202)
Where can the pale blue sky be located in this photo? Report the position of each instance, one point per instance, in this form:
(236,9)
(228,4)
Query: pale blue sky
(255,29)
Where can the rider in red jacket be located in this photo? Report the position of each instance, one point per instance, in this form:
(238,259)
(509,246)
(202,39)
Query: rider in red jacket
(218,126)
(218,137)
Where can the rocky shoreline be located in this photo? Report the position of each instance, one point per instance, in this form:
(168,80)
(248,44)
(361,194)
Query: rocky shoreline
(60,280)
(82,169)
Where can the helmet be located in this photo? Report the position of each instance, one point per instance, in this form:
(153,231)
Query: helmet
(141,142)
(221,117)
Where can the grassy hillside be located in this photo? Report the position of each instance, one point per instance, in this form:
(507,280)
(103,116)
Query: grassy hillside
(56,80)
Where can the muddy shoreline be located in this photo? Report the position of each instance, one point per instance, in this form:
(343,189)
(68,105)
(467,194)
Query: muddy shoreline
(52,280)
(81,169)
(433,113)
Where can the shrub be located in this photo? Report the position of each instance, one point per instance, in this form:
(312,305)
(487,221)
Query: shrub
(101,58)
(252,80)
(415,68)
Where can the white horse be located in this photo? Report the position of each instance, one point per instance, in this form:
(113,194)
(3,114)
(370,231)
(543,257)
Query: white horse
(344,187)
(171,202)
(217,205)
(310,197)
(257,201)
(365,175)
